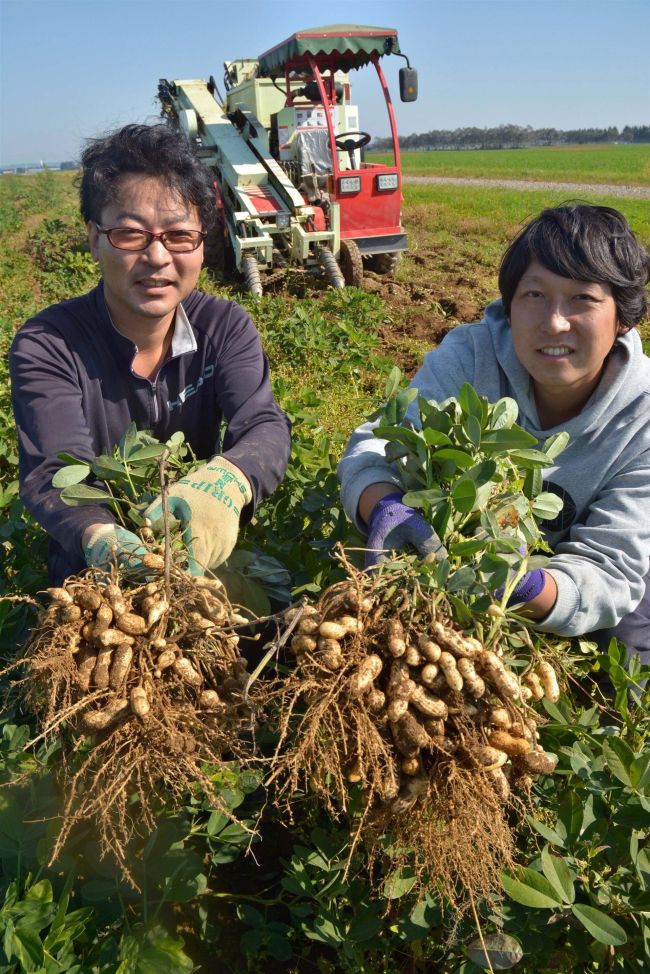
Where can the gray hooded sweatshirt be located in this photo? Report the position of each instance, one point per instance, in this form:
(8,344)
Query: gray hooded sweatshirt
(601,538)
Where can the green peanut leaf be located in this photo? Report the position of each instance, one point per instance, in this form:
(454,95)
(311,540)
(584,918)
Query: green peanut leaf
(433,417)
(129,440)
(531,889)
(150,452)
(458,457)
(472,428)
(84,494)
(419,498)
(392,383)
(529,458)
(466,548)
(106,468)
(554,445)
(533,483)
(463,495)
(396,409)
(435,438)
(546,506)
(461,580)
(497,950)
(504,440)
(640,771)
(68,458)
(619,758)
(559,875)
(470,402)
(73,474)
(504,413)
(600,925)
(482,472)
(399,883)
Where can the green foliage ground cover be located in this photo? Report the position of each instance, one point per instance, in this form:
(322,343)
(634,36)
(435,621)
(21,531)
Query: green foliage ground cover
(581,899)
(625,164)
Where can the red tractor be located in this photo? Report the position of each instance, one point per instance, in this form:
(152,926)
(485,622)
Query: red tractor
(293,185)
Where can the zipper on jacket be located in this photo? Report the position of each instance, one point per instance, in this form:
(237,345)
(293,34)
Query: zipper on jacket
(154,390)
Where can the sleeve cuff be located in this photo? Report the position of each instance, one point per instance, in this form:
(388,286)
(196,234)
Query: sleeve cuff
(352,490)
(558,620)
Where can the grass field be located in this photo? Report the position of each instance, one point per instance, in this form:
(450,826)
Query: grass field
(622,164)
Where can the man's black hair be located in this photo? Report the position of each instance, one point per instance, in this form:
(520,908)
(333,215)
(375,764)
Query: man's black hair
(159,151)
(587,243)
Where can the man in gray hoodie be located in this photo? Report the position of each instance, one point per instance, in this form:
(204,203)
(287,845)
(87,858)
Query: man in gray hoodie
(561,342)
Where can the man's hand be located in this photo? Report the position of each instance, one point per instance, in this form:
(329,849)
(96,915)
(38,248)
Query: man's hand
(392,526)
(208,503)
(109,544)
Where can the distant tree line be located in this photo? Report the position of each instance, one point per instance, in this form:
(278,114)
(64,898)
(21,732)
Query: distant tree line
(515,137)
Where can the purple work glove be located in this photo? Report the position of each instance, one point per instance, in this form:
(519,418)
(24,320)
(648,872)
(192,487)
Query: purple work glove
(527,588)
(392,526)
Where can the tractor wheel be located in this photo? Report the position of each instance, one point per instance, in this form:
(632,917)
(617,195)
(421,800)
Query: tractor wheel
(385,263)
(351,263)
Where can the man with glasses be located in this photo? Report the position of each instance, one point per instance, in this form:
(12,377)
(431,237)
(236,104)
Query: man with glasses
(144,346)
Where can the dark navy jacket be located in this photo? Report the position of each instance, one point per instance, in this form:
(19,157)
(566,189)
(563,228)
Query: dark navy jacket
(74,391)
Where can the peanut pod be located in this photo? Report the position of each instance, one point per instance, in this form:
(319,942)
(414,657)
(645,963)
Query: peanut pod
(120,666)
(139,702)
(131,624)
(448,666)
(101,673)
(59,596)
(471,680)
(427,704)
(429,649)
(184,669)
(409,735)
(365,674)
(548,679)
(489,758)
(86,660)
(88,599)
(303,644)
(98,720)
(510,745)
(210,700)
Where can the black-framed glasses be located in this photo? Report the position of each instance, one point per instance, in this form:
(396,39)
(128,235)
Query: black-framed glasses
(133,238)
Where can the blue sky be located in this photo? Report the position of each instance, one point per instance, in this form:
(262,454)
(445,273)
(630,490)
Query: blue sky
(70,69)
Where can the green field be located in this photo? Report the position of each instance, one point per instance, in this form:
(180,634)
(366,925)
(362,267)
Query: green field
(621,164)
(292,896)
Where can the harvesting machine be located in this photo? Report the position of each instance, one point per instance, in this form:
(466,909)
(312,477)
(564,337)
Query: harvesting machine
(292,187)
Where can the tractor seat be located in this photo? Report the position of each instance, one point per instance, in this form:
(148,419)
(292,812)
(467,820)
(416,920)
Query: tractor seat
(313,156)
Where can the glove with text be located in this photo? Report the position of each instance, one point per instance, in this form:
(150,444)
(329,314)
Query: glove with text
(208,503)
(393,526)
(111,545)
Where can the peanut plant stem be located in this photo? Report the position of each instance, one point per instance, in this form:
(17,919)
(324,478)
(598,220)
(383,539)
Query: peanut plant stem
(165,510)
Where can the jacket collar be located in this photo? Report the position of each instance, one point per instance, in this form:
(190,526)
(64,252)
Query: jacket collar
(183,337)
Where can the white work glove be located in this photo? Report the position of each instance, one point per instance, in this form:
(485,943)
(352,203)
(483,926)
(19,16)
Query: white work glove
(208,503)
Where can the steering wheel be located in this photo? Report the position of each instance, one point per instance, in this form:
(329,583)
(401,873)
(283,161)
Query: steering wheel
(348,144)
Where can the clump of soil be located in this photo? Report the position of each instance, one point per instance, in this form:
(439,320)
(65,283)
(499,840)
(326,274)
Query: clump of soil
(394,709)
(154,676)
